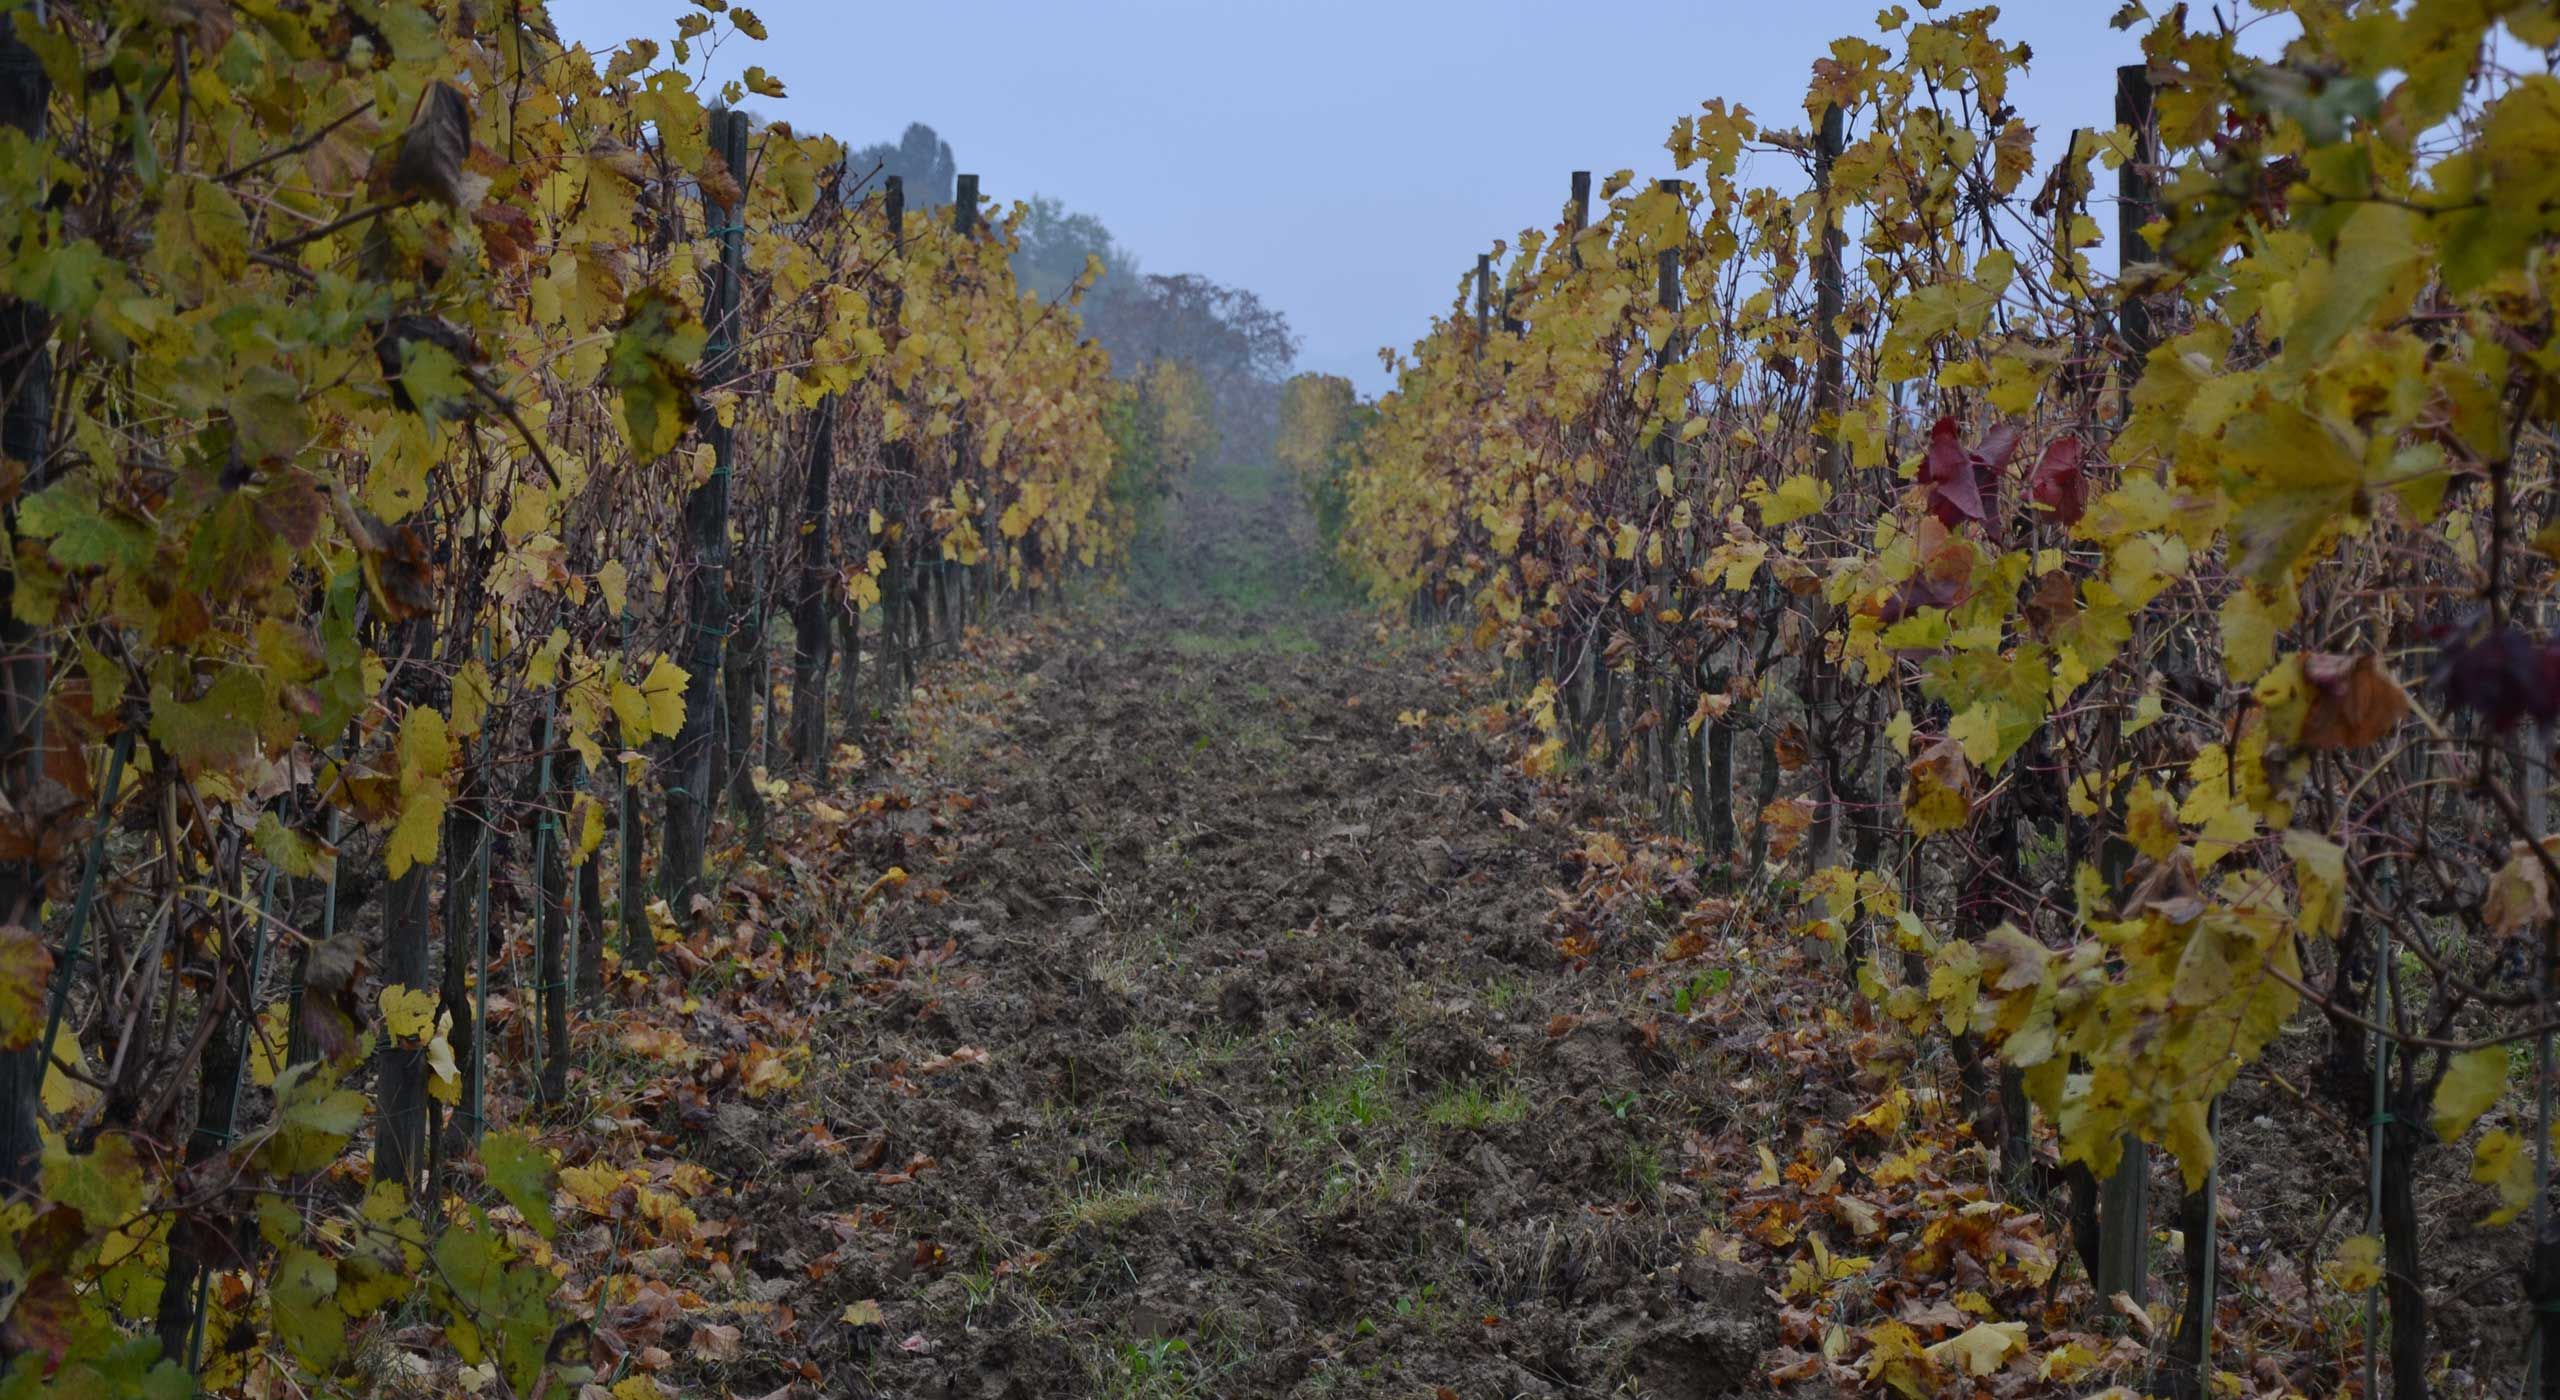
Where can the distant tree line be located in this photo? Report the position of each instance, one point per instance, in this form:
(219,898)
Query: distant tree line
(921,159)
(1321,423)
(1239,349)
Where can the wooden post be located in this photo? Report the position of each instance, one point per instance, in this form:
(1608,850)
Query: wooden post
(742,662)
(693,762)
(551,926)
(1830,297)
(1829,390)
(1577,215)
(899,467)
(179,1318)
(1671,691)
(1666,290)
(26,367)
(2124,1214)
(1587,672)
(639,941)
(399,1149)
(1484,300)
(768,587)
(950,577)
(812,638)
(892,683)
(465,825)
(2137,203)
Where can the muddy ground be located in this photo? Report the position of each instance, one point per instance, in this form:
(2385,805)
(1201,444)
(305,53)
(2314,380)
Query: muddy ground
(1221,1048)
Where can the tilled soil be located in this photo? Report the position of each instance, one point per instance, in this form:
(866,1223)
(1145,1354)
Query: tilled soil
(1227,1053)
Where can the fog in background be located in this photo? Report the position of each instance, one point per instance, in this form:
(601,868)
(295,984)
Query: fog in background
(1342,163)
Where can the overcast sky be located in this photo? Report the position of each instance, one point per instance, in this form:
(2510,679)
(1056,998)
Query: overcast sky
(1344,160)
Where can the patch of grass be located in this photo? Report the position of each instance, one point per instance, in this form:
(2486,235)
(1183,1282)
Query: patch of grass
(1106,1209)
(1149,1368)
(1176,1062)
(1706,984)
(1359,1099)
(1640,1171)
(981,1284)
(1468,1108)
(1388,1177)
(1423,1310)
(1506,991)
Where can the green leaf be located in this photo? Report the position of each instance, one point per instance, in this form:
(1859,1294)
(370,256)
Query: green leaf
(304,1298)
(521,1171)
(2379,255)
(80,534)
(382,1260)
(314,1120)
(494,1310)
(200,241)
(218,727)
(433,379)
(104,1183)
(2293,479)
(651,366)
(289,850)
(129,1370)
(65,278)
(106,680)
(267,416)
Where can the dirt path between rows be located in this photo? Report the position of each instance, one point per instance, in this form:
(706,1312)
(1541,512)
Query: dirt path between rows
(1217,1045)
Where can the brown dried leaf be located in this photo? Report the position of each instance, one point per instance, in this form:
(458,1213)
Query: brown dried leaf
(436,148)
(2354,702)
(2519,894)
(1792,750)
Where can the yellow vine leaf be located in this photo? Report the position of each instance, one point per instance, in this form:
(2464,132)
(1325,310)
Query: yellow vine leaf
(2249,623)
(2356,1265)
(1982,1348)
(2320,872)
(407,1012)
(26,968)
(444,1077)
(472,689)
(664,687)
(64,1095)
(2500,1159)
(1795,498)
(426,754)
(2473,1081)
(2519,894)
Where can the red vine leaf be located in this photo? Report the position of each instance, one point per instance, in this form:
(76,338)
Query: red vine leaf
(2058,484)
